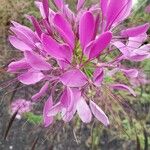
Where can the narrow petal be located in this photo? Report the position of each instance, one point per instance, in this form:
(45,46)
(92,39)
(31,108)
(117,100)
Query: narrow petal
(135,31)
(26,31)
(74,78)
(67,52)
(47,106)
(69,14)
(96,47)
(67,114)
(36,61)
(63,64)
(36,26)
(66,98)
(104,6)
(138,56)
(124,13)
(59,3)
(123,87)
(86,28)
(23,37)
(46,7)
(55,110)
(80,4)
(48,27)
(145,48)
(132,73)
(117,12)
(18,65)
(18,44)
(99,114)
(54,49)
(41,92)
(84,111)
(39,5)
(65,29)
(98,76)
(122,48)
(137,41)
(31,77)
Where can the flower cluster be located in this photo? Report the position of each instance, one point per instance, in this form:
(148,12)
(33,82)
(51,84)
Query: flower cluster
(71,51)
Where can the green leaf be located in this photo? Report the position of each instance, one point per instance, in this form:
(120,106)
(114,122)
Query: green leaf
(33,118)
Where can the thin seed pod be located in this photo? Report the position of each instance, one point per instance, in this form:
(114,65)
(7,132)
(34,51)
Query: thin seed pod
(10,123)
(34,143)
(145,140)
(138,145)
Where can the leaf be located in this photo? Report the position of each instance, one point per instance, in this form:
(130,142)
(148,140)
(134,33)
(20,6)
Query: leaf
(33,118)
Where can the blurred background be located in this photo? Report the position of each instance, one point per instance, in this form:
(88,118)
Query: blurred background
(131,132)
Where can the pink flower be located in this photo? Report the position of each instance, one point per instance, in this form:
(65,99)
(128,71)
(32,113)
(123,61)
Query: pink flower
(22,106)
(64,45)
(147,9)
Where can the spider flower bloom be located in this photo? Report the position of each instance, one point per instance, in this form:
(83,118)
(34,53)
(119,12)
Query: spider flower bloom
(68,50)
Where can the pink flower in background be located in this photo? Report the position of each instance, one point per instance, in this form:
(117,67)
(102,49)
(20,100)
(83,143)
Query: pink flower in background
(21,106)
(64,45)
(147,9)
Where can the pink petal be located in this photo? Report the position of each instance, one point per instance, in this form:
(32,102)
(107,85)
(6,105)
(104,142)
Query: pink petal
(86,28)
(74,78)
(47,106)
(39,5)
(104,6)
(80,4)
(99,114)
(67,52)
(36,26)
(18,44)
(132,73)
(135,31)
(63,64)
(68,113)
(137,41)
(84,111)
(41,92)
(18,65)
(95,48)
(46,7)
(23,37)
(97,24)
(31,77)
(98,76)
(145,48)
(123,87)
(138,56)
(26,31)
(55,110)
(48,27)
(65,29)
(59,3)
(116,13)
(60,52)
(123,48)
(36,61)
(69,14)
(125,12)
(66,98)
